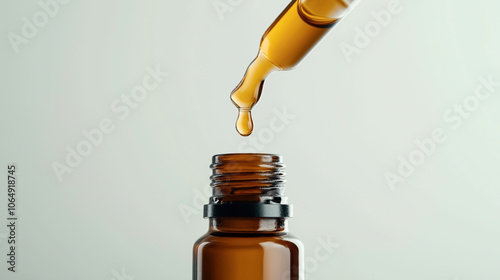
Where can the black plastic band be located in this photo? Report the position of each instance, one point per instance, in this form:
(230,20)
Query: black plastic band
(248,210)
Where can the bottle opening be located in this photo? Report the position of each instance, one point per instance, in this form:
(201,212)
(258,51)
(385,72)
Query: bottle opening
(247,185)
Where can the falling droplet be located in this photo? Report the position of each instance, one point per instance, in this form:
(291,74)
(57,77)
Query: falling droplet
(244,123)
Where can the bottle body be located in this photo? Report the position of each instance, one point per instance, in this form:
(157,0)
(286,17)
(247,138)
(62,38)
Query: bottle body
(248,236)
(249,255)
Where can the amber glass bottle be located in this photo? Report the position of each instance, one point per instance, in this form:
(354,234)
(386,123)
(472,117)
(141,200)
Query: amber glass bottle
(248,235)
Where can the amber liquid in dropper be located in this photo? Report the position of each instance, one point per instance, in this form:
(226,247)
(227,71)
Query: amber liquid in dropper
(284,44)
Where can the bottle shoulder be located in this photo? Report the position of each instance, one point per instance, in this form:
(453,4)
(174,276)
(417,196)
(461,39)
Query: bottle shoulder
(286,240)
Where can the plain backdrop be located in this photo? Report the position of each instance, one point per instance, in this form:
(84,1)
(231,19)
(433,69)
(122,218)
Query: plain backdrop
(131,207)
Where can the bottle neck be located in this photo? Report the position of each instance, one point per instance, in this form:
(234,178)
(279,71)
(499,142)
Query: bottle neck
(247,186)
(248,225)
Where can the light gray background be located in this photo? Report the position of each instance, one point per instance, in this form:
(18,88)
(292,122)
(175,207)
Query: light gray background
(119,214)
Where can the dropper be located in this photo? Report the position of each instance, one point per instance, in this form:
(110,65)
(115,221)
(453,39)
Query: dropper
(285,43)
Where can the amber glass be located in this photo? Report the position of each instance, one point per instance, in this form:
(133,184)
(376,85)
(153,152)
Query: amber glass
(285,43)
(248,245)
